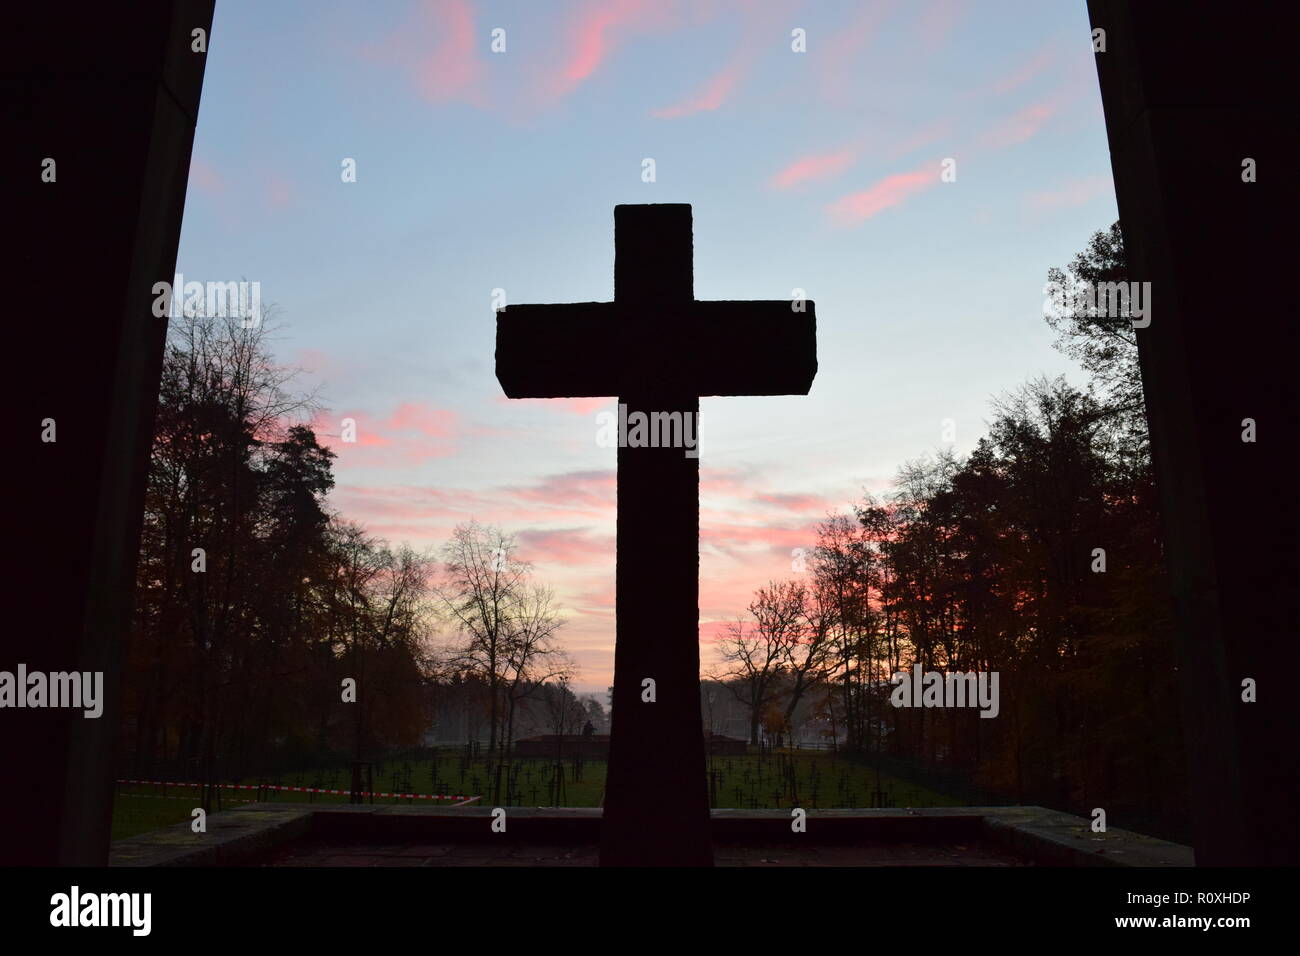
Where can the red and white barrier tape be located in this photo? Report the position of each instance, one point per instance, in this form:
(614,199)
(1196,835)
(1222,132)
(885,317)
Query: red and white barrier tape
(271,786)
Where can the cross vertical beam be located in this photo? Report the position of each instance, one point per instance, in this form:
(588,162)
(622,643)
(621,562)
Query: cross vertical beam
(657,349)
(656,808)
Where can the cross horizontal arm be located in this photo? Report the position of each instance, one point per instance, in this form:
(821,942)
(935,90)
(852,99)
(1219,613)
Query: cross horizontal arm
(558,351)
(596,349)
(759,347)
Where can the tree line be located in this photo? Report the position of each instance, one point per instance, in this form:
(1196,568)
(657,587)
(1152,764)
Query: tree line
(270,630)
(1037,556)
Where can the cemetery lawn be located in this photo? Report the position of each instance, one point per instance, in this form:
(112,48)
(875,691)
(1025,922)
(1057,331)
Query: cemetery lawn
(822,780)
(137,811)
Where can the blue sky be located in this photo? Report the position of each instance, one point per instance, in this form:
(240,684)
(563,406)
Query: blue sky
(481,170)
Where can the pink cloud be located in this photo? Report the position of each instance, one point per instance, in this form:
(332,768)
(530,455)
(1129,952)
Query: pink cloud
(922,136)
(588,498)
(891,191)
(731,536)
(829,164)
(312,359)
(709,98)
(1023,125)
(1076,192)
(452,70)
(761,23)
(717,483)
(439,49)
(566,546)
(845,47)
(406,503)
(589,489)
(413,433)
(789,502)
(937,22)
(205,177)
(279,191)
(416,417)
(594,31)
(564,525)
(598,602)
(1023,73)
(566,406)
(815,166)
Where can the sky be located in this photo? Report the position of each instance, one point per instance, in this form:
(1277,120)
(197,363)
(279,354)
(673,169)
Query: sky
(478,170)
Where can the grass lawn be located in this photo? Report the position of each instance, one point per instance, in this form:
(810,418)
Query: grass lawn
(822,780)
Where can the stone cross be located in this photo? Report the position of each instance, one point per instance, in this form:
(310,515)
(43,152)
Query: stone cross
(658,350)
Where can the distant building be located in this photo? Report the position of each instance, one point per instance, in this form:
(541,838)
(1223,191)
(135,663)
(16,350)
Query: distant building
(721,746)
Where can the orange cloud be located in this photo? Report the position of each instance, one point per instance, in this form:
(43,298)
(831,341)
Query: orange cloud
(890,191)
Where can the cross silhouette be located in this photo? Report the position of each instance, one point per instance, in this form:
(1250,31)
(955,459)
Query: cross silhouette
(658,350)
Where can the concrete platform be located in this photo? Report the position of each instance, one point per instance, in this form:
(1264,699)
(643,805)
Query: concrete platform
(390,835)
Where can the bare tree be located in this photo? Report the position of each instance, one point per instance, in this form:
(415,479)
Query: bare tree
(506,623)
(532,656)
(807,652)
(754,657)
(482,581)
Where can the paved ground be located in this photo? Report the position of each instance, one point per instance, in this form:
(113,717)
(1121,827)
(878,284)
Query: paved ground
(337,853)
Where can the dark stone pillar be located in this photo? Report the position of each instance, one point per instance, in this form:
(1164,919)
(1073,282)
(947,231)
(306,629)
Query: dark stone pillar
(1190,91)
(110,92)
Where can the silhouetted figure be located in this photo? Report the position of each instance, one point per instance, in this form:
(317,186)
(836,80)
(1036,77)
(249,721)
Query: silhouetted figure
(658,350)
